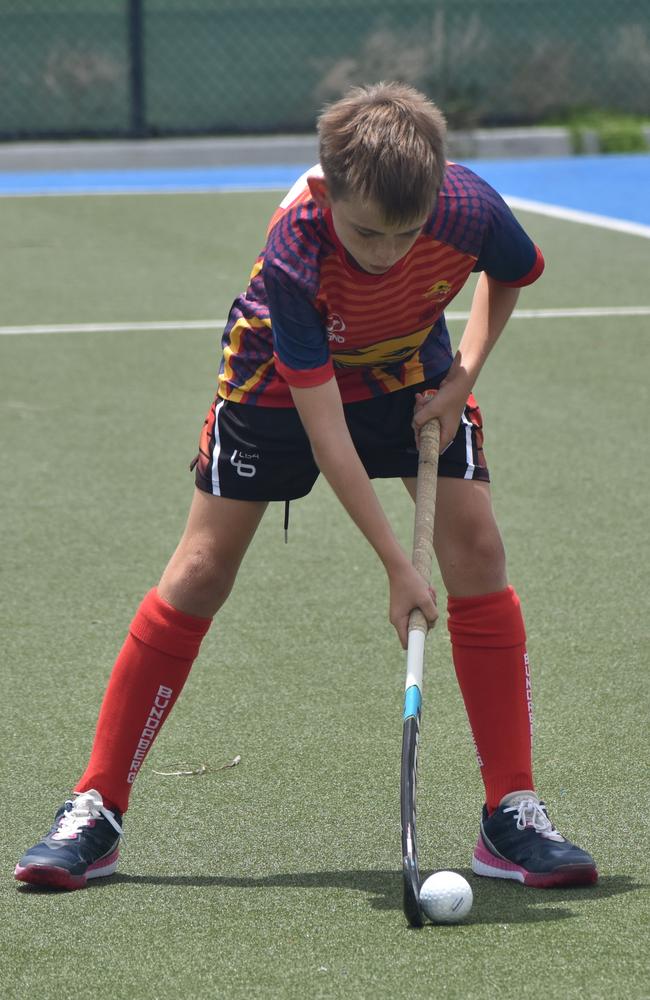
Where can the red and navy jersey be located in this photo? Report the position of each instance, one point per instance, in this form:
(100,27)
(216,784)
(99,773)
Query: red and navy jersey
(309,313)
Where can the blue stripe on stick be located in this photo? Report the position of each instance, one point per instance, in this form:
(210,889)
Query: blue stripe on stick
(412,701)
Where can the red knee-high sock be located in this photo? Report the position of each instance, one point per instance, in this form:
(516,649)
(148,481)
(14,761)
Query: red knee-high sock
(489,649)
(147,678)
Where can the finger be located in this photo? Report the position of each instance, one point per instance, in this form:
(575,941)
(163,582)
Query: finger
(420,407)
(420,401)
(401,627)
(432,619)
(430,610)
(423,414)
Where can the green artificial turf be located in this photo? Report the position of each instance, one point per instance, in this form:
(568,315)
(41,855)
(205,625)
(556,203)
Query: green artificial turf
(279,878)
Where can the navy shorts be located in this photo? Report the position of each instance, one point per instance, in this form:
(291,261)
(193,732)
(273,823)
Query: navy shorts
(263,453)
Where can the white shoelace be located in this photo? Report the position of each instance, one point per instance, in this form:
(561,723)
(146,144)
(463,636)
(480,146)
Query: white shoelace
(531,813)
(85,807)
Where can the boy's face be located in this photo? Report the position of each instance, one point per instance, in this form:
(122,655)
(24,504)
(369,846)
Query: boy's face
(361,228)
(375,246)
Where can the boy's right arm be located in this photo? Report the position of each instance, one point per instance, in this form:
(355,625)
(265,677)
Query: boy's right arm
(321,411)
(302,357)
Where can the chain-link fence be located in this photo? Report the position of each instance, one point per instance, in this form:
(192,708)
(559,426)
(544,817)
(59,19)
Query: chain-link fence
(172,67)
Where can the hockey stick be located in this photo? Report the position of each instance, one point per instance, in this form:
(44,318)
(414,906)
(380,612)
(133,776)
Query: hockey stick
(425,510)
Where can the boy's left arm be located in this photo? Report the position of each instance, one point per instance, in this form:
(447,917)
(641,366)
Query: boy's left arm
(492,306)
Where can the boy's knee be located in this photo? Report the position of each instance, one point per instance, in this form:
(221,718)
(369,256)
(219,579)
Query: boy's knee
(487,549)
(201,570)
(479,550)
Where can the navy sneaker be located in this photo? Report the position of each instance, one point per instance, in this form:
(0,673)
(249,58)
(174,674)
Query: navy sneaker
(518,841)
(83,843)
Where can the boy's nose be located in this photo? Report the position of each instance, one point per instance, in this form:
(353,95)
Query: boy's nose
(386,255)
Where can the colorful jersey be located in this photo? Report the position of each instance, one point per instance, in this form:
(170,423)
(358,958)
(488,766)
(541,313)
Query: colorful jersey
(309,313)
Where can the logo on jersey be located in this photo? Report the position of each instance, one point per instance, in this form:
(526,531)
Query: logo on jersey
(244,464)
(438,290)
(336,328)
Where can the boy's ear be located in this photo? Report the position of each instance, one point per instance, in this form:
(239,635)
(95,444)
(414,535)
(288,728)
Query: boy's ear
(319,192)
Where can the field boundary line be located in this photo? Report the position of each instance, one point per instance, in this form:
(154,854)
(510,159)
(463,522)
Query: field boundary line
(583,312)
(574,215)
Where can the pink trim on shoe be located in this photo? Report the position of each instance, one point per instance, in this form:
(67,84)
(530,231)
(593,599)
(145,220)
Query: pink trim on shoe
(488,864)
(51,877)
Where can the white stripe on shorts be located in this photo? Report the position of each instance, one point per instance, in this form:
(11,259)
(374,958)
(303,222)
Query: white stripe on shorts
(469,454)
(216,485)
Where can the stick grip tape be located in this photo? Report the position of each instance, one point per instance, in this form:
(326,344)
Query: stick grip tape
(425,511)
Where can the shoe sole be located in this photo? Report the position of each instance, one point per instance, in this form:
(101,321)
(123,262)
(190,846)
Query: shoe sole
(487,864)
(52,877)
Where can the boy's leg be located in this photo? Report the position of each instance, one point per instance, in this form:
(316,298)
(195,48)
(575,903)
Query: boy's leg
(202,570)
(487,634)
(517,839)
(164,640)
(149,673)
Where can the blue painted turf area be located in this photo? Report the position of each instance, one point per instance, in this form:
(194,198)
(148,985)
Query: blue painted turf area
(617,186)
(161,179)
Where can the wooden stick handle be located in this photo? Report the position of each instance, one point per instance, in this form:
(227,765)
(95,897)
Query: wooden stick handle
(425,511)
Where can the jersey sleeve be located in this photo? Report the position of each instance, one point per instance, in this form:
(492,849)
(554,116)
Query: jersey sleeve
(300,345)
(507,253)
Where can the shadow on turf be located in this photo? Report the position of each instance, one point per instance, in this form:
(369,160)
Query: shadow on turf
(495,902)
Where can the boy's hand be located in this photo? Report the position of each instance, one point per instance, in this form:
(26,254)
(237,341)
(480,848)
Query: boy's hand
(446,403)
(407,591)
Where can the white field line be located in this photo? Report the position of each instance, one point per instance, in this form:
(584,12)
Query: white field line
(572,215)
(109,193)
(586,312)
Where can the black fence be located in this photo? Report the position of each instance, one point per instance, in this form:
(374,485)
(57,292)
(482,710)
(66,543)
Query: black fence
(181,67)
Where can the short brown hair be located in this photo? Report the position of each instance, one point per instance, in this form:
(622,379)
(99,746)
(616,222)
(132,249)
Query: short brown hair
(386,144)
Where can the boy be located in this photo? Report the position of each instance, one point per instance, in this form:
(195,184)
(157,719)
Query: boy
(326,361)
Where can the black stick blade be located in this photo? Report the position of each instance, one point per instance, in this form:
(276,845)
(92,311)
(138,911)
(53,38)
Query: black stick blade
(410,870)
